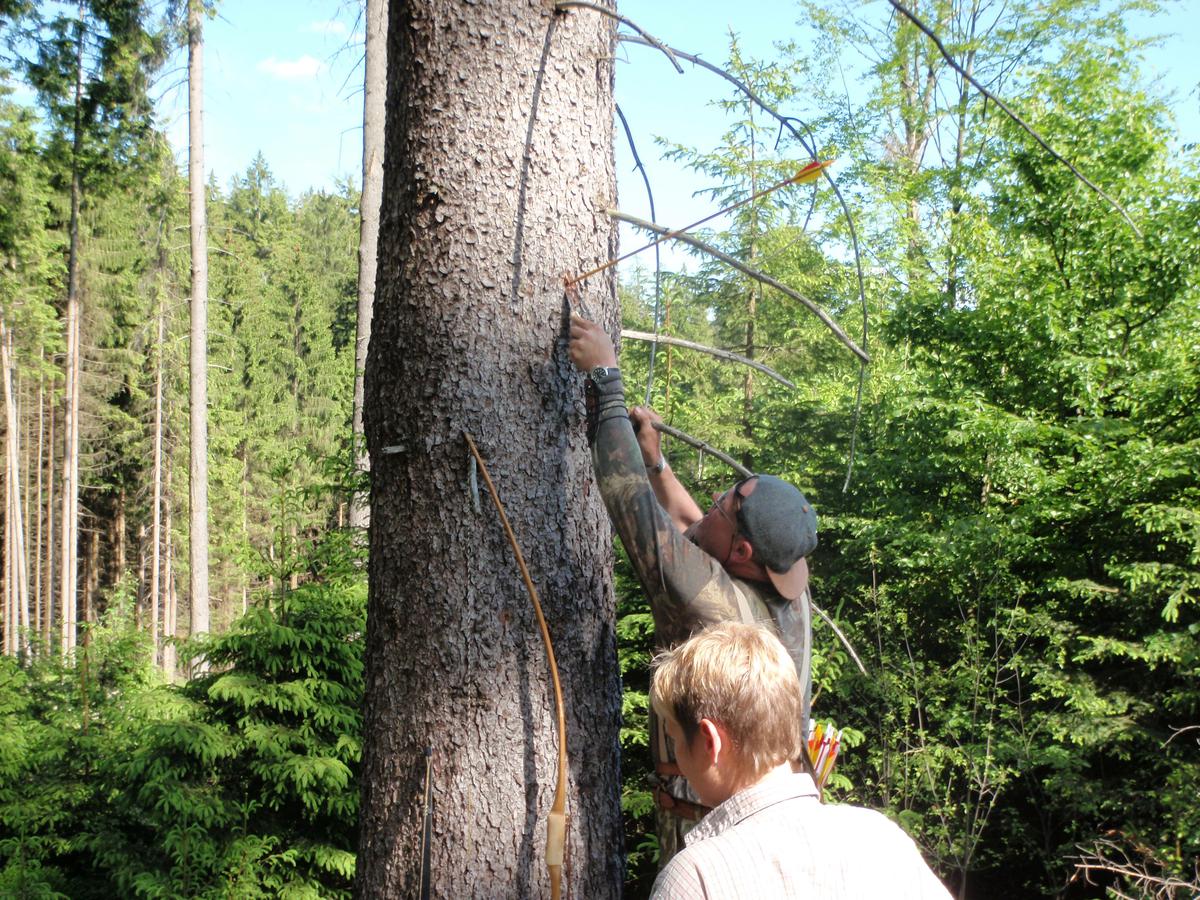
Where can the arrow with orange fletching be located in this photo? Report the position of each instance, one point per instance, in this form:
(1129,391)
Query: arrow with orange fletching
(809,173)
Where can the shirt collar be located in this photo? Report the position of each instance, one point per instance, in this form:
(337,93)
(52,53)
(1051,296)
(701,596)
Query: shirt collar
(775,788)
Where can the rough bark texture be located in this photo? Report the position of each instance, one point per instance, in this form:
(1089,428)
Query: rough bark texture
(483,214)
(374,115)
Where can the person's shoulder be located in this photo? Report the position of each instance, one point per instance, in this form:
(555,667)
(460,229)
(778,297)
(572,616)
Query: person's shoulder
(890,845)
(680,879)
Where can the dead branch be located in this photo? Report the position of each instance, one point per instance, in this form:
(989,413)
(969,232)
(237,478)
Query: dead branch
(950,61)
(711,351)
(1142,871)
(812,307)
(657,255)
(841,637)
(1178,731)
(612,14)
(810,146)
(703,448)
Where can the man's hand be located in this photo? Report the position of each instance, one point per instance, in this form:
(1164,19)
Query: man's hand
(649,438)
(590,346)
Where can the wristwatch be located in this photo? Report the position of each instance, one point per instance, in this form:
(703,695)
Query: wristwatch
(604,374)
(657,468)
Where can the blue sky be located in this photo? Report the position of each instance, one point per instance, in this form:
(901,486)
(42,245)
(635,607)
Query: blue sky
(282,77)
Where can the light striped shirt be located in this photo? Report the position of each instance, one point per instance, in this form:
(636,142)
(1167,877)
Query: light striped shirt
(776,839)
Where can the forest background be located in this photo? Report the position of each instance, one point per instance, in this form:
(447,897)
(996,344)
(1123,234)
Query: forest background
(1010,520)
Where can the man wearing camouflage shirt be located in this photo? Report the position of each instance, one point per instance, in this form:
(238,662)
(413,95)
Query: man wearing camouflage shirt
(743,560)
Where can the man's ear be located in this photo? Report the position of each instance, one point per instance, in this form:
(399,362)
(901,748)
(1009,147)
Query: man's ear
(741,552)
(712,741)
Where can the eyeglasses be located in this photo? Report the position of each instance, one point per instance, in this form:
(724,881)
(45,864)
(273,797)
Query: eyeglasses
(736,521)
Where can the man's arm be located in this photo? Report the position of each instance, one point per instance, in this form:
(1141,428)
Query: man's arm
(686,587)
(671,494)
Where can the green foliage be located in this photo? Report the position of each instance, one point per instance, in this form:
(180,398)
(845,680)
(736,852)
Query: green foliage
(1016,557)
(242,783)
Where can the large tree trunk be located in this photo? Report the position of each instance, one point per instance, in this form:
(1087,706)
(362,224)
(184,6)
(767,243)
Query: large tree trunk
(374,97)
(483,215)
(198,530)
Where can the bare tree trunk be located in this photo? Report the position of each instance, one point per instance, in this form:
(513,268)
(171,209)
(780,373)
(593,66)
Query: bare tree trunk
(9,645)
(91,584)
(156,499)
(168,590)
(198,530)
(751,310)
(499,170)
(69,548)
(141,597)
(42,611)
(119,539)
(374,95)
(50,505)
(17,620)
(31,623)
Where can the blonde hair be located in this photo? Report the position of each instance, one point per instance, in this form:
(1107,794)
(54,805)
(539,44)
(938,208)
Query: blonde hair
(740,677)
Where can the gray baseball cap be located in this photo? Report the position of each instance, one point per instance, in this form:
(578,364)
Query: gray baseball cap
(781,526)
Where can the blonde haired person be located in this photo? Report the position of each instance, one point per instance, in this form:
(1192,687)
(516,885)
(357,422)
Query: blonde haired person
(731,701)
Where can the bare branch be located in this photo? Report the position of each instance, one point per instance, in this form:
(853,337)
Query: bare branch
(711,351)
(1142,871)
(1178,731)
(647,36)
(841,637)
(937,42)
(810,146)
(657,255)
(703,447)
(812,307)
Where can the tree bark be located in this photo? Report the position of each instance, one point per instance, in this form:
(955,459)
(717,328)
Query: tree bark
(198,494)
(499,169)
(374,113)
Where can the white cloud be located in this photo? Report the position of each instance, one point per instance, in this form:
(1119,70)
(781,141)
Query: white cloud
(307,105)
(301,69)
(329,27)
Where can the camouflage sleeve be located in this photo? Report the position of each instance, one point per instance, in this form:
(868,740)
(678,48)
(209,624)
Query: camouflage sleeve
(687,588)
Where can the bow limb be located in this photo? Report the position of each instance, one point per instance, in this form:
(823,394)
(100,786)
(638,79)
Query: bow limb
(556,823)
